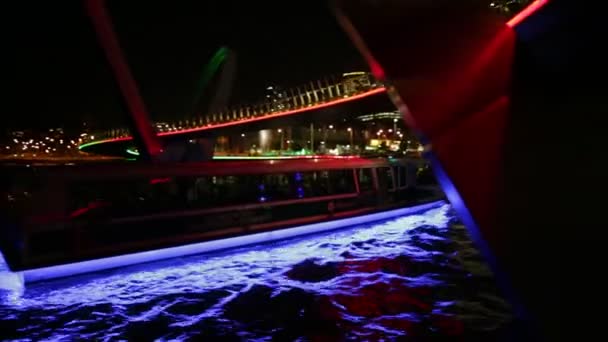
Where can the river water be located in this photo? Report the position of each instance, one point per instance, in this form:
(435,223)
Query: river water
(416,277)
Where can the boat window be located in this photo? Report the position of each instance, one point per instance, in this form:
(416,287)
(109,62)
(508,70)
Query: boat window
(226,190)
(125,197)
(342,181)
(275,187)
(402,174)
(425,176)
(324,183)
(315,183)
(385,178)
(365,180)
(134,197)
(214,191)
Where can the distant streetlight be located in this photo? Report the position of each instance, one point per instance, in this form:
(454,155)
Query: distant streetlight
(350,132)
(243,135)
(331,126)
(394,125)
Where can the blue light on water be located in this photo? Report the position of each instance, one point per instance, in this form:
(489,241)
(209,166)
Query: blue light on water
(196,248)
(397,276)
(260,264)
(475,233)
(9,281)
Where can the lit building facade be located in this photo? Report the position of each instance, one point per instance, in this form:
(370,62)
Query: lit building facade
(277,97)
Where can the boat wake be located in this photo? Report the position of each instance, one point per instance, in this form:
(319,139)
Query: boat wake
(415,276)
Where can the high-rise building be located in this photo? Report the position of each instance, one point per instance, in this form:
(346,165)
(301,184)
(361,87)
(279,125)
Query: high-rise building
(277,97)
(355,82)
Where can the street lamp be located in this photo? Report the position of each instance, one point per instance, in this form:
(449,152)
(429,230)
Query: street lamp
(281,148)
(350,132)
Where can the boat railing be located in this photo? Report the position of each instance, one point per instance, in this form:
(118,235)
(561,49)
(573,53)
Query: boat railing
(67,192)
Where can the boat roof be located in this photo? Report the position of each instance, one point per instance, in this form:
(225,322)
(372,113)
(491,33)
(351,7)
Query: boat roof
(130,170)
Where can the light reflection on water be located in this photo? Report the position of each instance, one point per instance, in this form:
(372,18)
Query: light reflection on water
(394,278)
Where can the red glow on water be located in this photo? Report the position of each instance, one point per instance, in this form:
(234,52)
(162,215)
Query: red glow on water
(89,207)
(526,12)
(384,300)
(160,180)
(79,212)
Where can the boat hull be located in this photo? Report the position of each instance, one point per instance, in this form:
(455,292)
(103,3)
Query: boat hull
(87,266)
(82,215)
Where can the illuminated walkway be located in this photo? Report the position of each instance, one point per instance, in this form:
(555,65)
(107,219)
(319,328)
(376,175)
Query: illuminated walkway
(352,87)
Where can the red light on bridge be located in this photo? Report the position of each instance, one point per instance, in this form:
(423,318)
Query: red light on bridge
(254,119)
(526,12)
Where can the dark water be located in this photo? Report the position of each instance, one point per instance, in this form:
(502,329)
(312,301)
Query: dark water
(416,277)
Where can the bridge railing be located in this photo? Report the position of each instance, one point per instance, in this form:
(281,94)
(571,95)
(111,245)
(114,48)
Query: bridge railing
(308,95)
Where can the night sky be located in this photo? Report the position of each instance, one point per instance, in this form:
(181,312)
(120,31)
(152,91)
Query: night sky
(58,75)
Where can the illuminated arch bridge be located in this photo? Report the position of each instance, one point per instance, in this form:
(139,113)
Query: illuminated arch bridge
(321,101)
